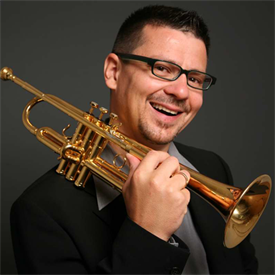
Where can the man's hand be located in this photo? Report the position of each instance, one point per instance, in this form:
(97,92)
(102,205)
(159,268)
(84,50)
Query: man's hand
(155,195)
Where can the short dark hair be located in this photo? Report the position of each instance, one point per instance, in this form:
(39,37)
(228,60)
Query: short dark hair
(130,37)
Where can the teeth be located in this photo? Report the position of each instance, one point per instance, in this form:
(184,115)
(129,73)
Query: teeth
(156,106)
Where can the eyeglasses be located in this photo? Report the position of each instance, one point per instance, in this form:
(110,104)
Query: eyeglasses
(171,71)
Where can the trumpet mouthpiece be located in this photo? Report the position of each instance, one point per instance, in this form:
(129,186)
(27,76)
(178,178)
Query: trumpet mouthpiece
(5,73)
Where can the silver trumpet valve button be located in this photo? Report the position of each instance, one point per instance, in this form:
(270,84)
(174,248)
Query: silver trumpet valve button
(93,105)
(113,118)
(103,111)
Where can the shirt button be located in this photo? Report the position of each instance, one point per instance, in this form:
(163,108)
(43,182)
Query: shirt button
(175,270)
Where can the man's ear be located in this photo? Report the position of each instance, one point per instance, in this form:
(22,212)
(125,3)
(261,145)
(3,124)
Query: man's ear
(111,70)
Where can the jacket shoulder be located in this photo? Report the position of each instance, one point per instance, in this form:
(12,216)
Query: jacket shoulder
(54,194)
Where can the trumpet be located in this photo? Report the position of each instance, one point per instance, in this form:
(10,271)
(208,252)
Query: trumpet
(80,157)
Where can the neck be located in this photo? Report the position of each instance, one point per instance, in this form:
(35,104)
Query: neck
(157,147)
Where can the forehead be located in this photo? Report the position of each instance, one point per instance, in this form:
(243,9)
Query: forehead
(173,45)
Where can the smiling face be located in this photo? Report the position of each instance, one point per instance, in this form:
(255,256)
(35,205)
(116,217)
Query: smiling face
(153,111)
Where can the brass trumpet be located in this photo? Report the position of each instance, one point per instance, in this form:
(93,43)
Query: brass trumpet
(80,157)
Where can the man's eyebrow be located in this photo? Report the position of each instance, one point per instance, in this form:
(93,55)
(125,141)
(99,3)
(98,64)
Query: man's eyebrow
(165,59)
(175,62)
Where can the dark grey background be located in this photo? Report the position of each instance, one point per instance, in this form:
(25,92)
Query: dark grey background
(59,47)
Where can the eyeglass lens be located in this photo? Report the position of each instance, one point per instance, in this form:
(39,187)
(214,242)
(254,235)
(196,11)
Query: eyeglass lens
(170,71)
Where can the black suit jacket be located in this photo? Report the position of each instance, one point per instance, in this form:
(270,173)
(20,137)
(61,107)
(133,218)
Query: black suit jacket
(57,228)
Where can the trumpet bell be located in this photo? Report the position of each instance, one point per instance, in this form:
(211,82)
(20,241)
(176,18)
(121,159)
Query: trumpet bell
(247,211)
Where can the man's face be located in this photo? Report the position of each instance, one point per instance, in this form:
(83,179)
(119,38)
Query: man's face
(139,96)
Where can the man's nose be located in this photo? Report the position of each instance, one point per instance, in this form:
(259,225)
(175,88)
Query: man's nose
(178,88)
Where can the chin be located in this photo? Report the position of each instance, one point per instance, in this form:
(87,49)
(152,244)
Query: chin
(156,138)
(159,133)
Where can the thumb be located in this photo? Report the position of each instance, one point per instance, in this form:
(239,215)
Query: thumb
(133,164)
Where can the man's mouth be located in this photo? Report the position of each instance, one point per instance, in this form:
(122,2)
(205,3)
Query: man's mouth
(164,110)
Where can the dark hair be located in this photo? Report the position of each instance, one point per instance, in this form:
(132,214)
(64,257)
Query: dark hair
(130,37)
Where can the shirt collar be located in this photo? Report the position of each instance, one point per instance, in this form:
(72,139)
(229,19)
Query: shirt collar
(105,194)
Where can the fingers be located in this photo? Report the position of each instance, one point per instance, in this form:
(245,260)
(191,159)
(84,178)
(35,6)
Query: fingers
(167,168)
(162,161)
(152,160)
(162,166)
(185,174)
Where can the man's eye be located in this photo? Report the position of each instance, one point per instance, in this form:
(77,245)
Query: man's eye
(162,69)
(195,80)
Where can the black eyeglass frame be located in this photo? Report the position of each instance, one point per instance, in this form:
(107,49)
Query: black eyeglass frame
(152,61)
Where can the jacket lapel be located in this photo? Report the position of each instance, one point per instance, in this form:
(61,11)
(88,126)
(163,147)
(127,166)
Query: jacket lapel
(114,213)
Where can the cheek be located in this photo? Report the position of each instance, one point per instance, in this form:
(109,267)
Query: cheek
(196,101)
(129,102)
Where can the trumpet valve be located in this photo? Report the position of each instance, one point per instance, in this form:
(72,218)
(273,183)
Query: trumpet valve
(103,111)
(93,105)
(116,126)
(113,118)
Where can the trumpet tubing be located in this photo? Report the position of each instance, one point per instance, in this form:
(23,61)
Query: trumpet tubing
(80,156)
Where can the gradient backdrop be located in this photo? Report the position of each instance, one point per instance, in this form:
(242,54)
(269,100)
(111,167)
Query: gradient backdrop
(59,47)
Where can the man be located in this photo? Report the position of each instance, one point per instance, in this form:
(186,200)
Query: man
(156,74)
